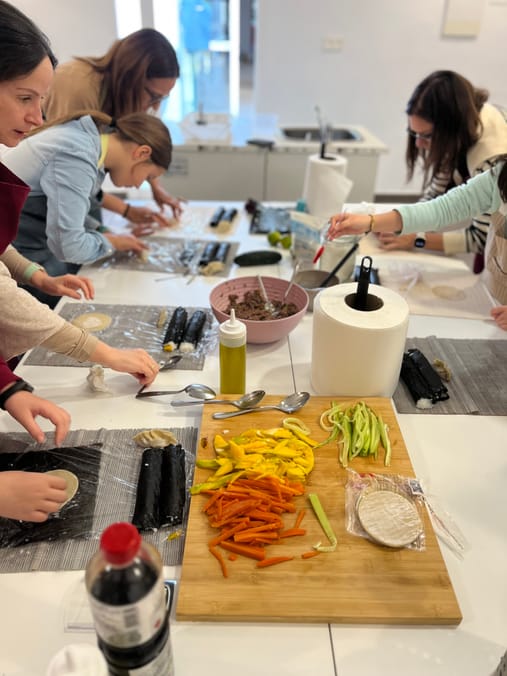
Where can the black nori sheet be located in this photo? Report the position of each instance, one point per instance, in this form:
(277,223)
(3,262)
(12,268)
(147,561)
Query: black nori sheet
(222,251)
(420,378)
(173,486)
(147,507)
(209,253)
(176,327)
(76,518)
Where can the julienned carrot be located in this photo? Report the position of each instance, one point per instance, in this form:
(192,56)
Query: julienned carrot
(273,561)
(290,532)
(299,518)
(245,550)
(308,555)
(224,535)
(218,556)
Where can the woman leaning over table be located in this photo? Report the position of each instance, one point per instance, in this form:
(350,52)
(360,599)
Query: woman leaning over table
(135,75)
(65,163)
(454,134)
(26,68)
(484,193)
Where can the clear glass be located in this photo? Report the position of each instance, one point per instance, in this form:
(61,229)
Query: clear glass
(334,251)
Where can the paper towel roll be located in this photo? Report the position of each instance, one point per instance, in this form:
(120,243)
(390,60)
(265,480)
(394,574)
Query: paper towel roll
(326,186)
(356,353)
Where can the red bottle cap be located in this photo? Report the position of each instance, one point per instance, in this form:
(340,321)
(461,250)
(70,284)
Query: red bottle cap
(120,542)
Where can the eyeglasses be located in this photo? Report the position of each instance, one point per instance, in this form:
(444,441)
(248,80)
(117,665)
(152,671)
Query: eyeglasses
(155,97)
(415,134)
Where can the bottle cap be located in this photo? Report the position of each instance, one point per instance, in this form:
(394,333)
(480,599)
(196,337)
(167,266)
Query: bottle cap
(232,331)
(120,542)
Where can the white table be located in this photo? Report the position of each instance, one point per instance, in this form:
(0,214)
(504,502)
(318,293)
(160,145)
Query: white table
(462,459)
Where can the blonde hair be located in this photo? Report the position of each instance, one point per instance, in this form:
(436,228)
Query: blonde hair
(139,128)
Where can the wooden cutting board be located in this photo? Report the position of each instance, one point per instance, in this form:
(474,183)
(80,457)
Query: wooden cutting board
(360,582)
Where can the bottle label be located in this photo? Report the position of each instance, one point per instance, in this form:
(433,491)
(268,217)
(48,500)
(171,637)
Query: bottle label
(162,665)
(133,623)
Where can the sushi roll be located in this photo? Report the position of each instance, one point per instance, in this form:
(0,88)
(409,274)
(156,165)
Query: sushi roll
(222,251)
(193,331)
(173,486)
(209,253)
(175,329)
(147,506)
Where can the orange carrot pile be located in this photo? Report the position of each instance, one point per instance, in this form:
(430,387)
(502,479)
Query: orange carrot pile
(248,516)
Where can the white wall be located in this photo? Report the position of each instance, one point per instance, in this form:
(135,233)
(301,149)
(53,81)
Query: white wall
(75,27)
(388,47)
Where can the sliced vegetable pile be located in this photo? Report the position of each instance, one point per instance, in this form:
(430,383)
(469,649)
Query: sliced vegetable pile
(358,430)
(283,452)
(248,516)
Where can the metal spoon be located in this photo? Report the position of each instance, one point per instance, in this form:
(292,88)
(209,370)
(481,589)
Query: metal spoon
(167,364)
(246,401)
(195,390)
(268,305)
(290,404)
(292,279)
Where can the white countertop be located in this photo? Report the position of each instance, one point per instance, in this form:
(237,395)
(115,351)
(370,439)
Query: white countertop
(462,459)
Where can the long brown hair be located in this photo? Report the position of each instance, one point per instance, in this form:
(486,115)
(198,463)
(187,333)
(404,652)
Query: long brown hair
(128,65)
(139,128)
(452,105)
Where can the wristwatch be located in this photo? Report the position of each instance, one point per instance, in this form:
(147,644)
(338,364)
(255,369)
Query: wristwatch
(420,240)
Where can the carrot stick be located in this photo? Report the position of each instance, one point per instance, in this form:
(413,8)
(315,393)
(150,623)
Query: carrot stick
(308,555)
(224,535)
(273,561)
(299,518)
(290,532)
(218,556)
(245,550)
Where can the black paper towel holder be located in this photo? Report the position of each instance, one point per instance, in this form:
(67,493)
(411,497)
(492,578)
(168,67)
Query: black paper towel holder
(362,300)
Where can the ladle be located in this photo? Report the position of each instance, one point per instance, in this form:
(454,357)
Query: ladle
(290,404)
(246,401)
(195,390)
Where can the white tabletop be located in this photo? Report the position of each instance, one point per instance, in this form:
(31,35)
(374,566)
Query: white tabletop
(462,460)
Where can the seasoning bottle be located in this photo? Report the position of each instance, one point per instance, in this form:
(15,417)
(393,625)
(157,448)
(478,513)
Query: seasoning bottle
(232,338)
(127,596)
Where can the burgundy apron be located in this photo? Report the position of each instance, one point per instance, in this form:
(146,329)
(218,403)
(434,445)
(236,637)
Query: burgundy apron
(13,193)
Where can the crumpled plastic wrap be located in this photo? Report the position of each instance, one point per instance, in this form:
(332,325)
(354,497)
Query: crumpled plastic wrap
(398,522)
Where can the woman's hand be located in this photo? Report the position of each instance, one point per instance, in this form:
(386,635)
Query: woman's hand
(73,286)
(162,198)
(499,314)
(30,496)
(136,362)
(126,242)
(25,407)
(145,216)
(348,224)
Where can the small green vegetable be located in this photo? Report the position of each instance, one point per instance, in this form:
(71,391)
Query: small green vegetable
(326,526)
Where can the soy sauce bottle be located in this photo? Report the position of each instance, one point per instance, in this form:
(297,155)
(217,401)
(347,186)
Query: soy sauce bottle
(125,585)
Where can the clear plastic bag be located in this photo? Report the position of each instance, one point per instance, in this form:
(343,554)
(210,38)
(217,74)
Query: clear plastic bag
(384,509)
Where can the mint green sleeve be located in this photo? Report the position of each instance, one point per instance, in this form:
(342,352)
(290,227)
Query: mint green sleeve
(478,196)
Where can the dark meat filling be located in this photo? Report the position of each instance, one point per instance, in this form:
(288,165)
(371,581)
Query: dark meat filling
(252,307)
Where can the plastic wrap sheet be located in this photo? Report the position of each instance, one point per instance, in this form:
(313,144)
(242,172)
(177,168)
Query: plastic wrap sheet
(75,520)
(478,376)
(396,524)
(134,326)
(170,255)
(117,469)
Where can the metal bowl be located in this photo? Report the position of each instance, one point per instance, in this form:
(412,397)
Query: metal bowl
(310,281)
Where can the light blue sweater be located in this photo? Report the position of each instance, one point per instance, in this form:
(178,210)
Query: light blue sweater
(60,166)
(479,195)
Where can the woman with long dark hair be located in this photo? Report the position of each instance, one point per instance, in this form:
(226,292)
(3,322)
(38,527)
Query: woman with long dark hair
(453,135)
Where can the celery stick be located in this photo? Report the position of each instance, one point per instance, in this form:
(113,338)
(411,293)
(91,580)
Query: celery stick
(326,526)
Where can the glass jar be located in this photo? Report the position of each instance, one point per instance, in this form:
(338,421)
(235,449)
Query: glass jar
(334,251)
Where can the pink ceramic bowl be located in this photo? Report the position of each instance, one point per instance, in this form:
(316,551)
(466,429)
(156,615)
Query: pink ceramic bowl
(268,330)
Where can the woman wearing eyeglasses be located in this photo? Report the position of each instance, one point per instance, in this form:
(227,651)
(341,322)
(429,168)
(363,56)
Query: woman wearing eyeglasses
(454,134)
(135,75)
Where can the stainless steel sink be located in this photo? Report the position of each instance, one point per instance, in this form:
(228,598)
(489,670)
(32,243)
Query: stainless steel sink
(313,134)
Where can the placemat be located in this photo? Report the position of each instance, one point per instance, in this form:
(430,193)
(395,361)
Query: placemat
(115,499)
(478,376)
(169,254)
(132,326)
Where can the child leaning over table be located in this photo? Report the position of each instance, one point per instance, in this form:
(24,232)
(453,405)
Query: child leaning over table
(486,193)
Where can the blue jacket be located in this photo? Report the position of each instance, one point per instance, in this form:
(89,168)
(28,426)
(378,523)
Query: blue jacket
(60,164)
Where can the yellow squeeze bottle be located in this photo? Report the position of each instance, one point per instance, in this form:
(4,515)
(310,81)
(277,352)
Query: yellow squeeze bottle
(232,337)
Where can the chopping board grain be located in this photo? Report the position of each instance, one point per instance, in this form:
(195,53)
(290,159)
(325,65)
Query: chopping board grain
(360,582)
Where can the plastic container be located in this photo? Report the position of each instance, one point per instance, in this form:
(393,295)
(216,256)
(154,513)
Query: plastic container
(232,338)
(127,596)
